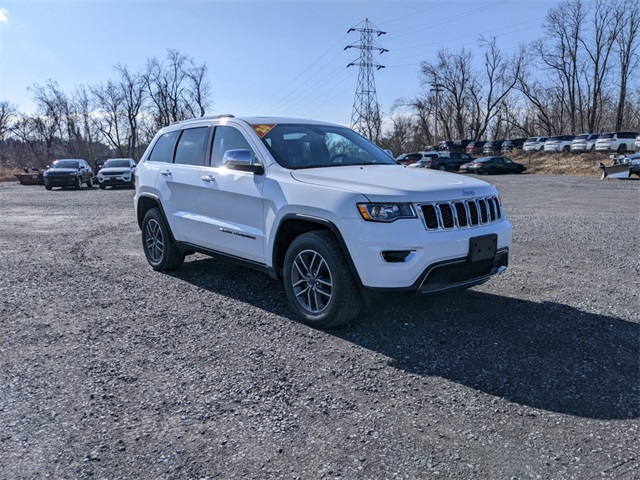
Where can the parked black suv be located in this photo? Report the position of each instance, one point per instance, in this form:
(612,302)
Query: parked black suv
(492,147)
(453,145)
(475,147)
(452,162)
(514,144)
(68,172)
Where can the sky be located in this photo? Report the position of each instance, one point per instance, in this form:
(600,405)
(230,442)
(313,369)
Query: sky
(274,58)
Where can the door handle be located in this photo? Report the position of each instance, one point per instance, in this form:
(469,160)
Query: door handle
(166,173)
(208,178)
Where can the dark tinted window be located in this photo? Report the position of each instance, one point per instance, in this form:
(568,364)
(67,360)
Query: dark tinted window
(190,147)
(163,149)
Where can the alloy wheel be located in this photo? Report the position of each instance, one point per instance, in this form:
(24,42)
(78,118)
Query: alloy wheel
(154,241)
(311,281)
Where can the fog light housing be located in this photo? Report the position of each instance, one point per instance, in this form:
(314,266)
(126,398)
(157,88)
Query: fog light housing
(398,256)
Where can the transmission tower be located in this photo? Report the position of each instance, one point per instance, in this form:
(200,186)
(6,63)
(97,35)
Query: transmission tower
(365,116)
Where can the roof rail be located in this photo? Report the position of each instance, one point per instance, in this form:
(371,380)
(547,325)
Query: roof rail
(208,117)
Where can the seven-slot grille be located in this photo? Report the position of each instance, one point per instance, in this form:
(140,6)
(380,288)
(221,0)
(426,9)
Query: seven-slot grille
(461,213)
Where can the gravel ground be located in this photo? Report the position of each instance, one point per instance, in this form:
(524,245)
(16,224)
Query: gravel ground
(112,370)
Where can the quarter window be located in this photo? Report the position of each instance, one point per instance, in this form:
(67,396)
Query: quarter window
(163,149)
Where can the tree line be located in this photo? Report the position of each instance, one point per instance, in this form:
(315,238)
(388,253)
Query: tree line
(117,118)
(579,77)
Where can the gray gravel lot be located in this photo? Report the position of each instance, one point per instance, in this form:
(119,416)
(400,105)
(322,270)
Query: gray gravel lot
(112,370)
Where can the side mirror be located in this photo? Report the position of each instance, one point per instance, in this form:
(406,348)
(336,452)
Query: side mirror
(241,160)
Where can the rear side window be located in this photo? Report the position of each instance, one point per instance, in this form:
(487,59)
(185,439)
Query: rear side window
(163,149)
(190,149)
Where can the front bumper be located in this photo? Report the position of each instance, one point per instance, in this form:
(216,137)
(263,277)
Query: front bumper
(116,179)
(436,260)
(60,181)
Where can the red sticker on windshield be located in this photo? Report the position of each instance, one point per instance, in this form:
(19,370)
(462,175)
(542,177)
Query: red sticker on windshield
(263,128)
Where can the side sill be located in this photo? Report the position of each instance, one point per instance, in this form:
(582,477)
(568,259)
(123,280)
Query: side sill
(261,267)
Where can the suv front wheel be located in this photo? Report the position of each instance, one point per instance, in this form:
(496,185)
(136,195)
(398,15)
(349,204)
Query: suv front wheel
(159,248)
(318,282)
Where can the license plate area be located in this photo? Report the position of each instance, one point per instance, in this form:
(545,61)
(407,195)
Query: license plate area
(483,247)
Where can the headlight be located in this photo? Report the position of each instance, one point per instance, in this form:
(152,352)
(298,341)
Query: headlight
(73,173)
(386,212)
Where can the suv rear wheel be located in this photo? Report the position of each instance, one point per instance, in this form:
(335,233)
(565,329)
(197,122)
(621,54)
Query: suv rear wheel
(318,282)
(159,248)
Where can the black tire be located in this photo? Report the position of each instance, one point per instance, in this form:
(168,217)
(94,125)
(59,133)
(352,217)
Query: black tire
(90,183)
(78,184)
(103,186)
(48,187)
(492,170)
(520,170)
(159,247)
(442,167)
(314,263)
(566,149)
(622,148)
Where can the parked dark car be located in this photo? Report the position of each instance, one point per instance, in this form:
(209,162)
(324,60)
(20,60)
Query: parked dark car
(451,162)
(514,144)
(68,172)
(492,166)
(475,147)
(492,147)
(453,145)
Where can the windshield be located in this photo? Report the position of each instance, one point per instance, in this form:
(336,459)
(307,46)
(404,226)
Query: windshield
(309,146)
(116,163)
(65,164)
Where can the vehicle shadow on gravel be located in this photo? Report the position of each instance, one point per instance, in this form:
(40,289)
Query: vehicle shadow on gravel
(543,355)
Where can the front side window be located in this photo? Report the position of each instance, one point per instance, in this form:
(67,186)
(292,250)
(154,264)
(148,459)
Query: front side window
(163,149)
(190,148)
(309,146)
(227,138)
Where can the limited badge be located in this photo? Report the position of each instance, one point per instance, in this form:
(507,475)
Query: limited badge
(263,129)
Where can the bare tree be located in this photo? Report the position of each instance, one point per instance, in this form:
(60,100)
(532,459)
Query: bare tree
(453,73)
(177,88)
(501,75)
(560,53)
(8,112)
(627,40)
(605,23)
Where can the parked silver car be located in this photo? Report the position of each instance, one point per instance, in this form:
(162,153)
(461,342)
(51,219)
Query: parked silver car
(585,142)
(534,144)
(559,143)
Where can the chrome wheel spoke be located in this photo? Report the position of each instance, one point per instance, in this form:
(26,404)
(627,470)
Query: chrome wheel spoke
(154,241)
(311,281)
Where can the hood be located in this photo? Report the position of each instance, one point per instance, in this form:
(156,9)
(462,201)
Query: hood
(62,170)
(396,182)
(115,169)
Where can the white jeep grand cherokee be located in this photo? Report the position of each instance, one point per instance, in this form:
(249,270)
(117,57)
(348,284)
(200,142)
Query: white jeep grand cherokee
(319,206)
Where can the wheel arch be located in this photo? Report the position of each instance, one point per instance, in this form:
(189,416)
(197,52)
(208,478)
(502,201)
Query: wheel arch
(292,226)
(146,203)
